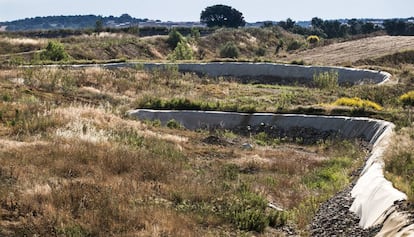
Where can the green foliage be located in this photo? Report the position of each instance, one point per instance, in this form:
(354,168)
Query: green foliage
(182,52)
(332,176)
(399,162)
(173,124)
(357,103)
(229,50)
(54,52)
(277,218)
(174,37)
(246,210)
(187,104)
(407,99)
(326,80)
(222,16)
(195,33)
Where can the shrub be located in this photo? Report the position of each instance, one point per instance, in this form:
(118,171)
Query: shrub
(261,51)
(294,45)
(312,39)
(407,99)
(277,218)
(326,80)
(229,50)
(195,33)
(54,51)
(181,52)
(174,37)
(173,124)
(247,211)
(357,103)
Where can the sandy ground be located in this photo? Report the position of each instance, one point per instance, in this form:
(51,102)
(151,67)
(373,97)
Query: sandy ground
(351,51)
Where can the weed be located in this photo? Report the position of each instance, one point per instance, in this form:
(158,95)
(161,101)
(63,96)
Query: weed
(247,211)
(326,80)
(173,124)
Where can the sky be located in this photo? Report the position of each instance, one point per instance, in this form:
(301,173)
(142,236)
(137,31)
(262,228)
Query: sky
(189,10)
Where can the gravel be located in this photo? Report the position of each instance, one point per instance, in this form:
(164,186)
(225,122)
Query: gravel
(334,218)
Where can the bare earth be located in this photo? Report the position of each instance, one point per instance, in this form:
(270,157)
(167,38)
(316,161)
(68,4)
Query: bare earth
(351,51)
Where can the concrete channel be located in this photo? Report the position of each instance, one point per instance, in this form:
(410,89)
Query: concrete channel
(374,196)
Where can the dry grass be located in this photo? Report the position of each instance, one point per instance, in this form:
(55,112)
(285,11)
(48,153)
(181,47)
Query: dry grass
(399,162)
(73,164)
(352,51)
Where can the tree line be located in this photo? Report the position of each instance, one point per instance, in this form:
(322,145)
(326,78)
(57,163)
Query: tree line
(68,22)
(336,29)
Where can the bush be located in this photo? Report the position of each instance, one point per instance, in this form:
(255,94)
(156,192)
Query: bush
(247,211)
(261,51)
(407,99)
(277,218)
(229,50)
(173,124)
(326,80)
(357,103)
(181,52)
(174,37)
(312,39)
(54,51)
(294,45)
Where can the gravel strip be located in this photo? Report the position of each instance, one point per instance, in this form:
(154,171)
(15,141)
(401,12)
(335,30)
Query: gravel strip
(334,218)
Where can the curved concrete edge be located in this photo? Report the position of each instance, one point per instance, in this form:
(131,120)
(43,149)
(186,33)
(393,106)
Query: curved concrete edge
(253,71)
(373,195)
(284,71)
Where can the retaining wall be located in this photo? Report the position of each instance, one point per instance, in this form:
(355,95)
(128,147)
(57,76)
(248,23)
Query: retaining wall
(373,195)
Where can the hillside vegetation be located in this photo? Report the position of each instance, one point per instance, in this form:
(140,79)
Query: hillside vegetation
(74,164)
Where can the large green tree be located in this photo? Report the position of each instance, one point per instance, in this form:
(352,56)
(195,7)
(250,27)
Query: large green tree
(222,15)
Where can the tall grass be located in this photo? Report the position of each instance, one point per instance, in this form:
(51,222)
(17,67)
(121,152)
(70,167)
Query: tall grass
(326,80)
(399,162)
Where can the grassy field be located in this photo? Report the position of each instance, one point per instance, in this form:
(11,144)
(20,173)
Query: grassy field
(73,164)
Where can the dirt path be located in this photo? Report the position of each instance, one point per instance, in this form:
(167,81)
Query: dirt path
(351,51)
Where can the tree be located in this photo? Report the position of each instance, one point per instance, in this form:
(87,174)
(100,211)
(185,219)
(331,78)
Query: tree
(182,52)
(317,22)
(99,26)
(395,27)
(54,51)
(174,37)
(287,25)
(222,15)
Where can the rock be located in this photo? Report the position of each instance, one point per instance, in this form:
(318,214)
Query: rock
(247,146)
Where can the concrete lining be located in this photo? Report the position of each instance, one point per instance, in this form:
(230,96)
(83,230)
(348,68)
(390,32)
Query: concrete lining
(373,195)
(261,72)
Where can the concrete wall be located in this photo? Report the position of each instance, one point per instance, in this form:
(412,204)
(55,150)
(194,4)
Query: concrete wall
(373,195)
(263,72)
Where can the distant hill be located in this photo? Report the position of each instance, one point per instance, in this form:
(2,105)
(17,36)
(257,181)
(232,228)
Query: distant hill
(89,22)
(72,22)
